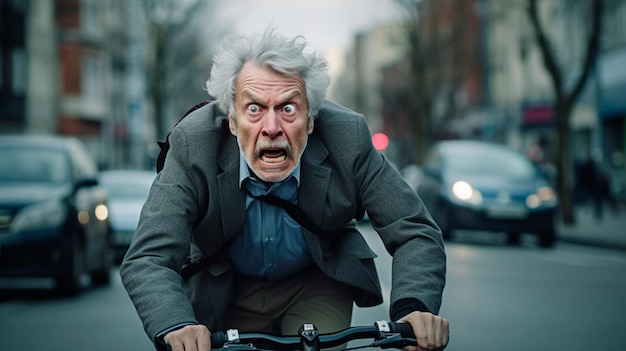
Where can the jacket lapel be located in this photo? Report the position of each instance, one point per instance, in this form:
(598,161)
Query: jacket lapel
(313,192)
(315,180)
(231,197)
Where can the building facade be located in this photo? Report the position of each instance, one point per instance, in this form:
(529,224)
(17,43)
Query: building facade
(65,71)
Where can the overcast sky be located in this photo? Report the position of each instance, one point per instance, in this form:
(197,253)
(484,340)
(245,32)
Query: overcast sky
(327,24)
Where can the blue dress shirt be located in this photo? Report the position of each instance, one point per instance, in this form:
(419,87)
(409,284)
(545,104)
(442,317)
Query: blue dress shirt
(271,244)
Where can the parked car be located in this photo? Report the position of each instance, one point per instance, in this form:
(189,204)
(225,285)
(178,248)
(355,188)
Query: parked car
(412,174)
(475,185)
(128,191)
(53,212)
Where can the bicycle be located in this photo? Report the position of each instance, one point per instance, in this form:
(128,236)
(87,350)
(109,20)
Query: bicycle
(383,334)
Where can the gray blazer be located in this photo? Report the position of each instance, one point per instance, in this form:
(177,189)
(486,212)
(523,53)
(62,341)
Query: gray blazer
(195,206)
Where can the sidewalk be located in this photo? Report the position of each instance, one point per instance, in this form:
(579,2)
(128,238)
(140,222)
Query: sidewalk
(609,231)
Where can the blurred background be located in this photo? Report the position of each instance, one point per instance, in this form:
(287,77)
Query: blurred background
(546,78)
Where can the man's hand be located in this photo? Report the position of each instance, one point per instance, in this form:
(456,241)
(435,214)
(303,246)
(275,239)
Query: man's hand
(432,331)
(189,338)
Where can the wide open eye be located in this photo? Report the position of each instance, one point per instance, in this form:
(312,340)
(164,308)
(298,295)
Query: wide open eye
(254,108)
(289,109)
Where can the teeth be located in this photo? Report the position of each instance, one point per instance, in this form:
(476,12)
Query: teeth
(274,159)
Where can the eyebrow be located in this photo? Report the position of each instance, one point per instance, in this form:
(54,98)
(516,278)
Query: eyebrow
(283,98)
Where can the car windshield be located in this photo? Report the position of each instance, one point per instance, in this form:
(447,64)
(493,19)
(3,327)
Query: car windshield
(497,162)
(128,189)
(34,165)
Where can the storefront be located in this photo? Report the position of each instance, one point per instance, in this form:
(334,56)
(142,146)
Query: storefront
(611,104)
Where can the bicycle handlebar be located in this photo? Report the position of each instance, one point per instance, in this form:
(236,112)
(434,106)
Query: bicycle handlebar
(384,335)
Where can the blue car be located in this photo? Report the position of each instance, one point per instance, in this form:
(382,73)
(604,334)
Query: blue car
(53,213)
(476,185)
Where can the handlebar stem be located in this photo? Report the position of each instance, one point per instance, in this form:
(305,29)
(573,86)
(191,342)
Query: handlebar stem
(309,338)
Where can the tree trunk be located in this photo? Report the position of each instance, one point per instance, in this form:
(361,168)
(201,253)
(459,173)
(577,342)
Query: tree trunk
(565,183)
(565,100)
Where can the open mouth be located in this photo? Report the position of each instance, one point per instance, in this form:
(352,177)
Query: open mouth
(273,155)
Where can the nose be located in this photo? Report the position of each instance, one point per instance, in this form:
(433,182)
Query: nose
(271,125)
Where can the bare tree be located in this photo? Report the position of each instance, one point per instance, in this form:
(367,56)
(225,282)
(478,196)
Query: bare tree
(444,55)
(564,98)
(175,52)
(420,101)
(422,76)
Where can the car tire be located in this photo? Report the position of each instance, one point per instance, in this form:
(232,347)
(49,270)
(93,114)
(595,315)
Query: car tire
(102,276)
(547,239)
(443,221)
(513,238)
(447,234)
(70,283)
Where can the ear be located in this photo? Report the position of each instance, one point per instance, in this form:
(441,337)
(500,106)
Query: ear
(232,125)
(311,124)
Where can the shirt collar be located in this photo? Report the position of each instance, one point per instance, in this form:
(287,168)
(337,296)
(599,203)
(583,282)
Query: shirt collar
(244,171)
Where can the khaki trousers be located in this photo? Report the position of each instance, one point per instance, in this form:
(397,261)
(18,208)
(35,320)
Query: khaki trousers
(281,306)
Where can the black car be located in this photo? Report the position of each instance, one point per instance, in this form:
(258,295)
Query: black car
(475,185)
(53,213)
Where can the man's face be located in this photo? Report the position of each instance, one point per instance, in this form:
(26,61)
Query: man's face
(271,123)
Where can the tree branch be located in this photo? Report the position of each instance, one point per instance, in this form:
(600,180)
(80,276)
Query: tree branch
(546,50)
(593,45)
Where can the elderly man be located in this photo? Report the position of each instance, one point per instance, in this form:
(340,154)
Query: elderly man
(271,132)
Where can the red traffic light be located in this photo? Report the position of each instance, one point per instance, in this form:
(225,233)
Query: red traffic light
(380,141)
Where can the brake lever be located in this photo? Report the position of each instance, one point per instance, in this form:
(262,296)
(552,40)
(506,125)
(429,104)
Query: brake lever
(393,341)
(238,347)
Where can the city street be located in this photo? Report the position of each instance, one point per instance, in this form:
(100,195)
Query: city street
(499,115)
(497,298)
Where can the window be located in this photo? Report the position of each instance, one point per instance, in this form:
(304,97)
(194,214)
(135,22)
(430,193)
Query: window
(92,77)
(90,20)
(18,71)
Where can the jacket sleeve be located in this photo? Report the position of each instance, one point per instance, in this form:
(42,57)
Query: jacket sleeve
(150,270)
(405,226)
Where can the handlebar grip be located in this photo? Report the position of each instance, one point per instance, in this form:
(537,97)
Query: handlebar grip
(405,329)
(217,340)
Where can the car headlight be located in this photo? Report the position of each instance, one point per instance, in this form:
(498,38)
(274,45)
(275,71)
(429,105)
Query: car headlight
(102,212)
(543,197)
(462,191)
(43,215)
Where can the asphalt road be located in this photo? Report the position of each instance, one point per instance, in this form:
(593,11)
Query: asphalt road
(501,297)
(497,298)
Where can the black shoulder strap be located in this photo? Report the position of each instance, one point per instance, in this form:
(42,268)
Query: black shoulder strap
(292,210)
(165,145)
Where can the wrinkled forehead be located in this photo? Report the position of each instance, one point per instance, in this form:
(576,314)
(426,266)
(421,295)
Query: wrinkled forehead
(259,82)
